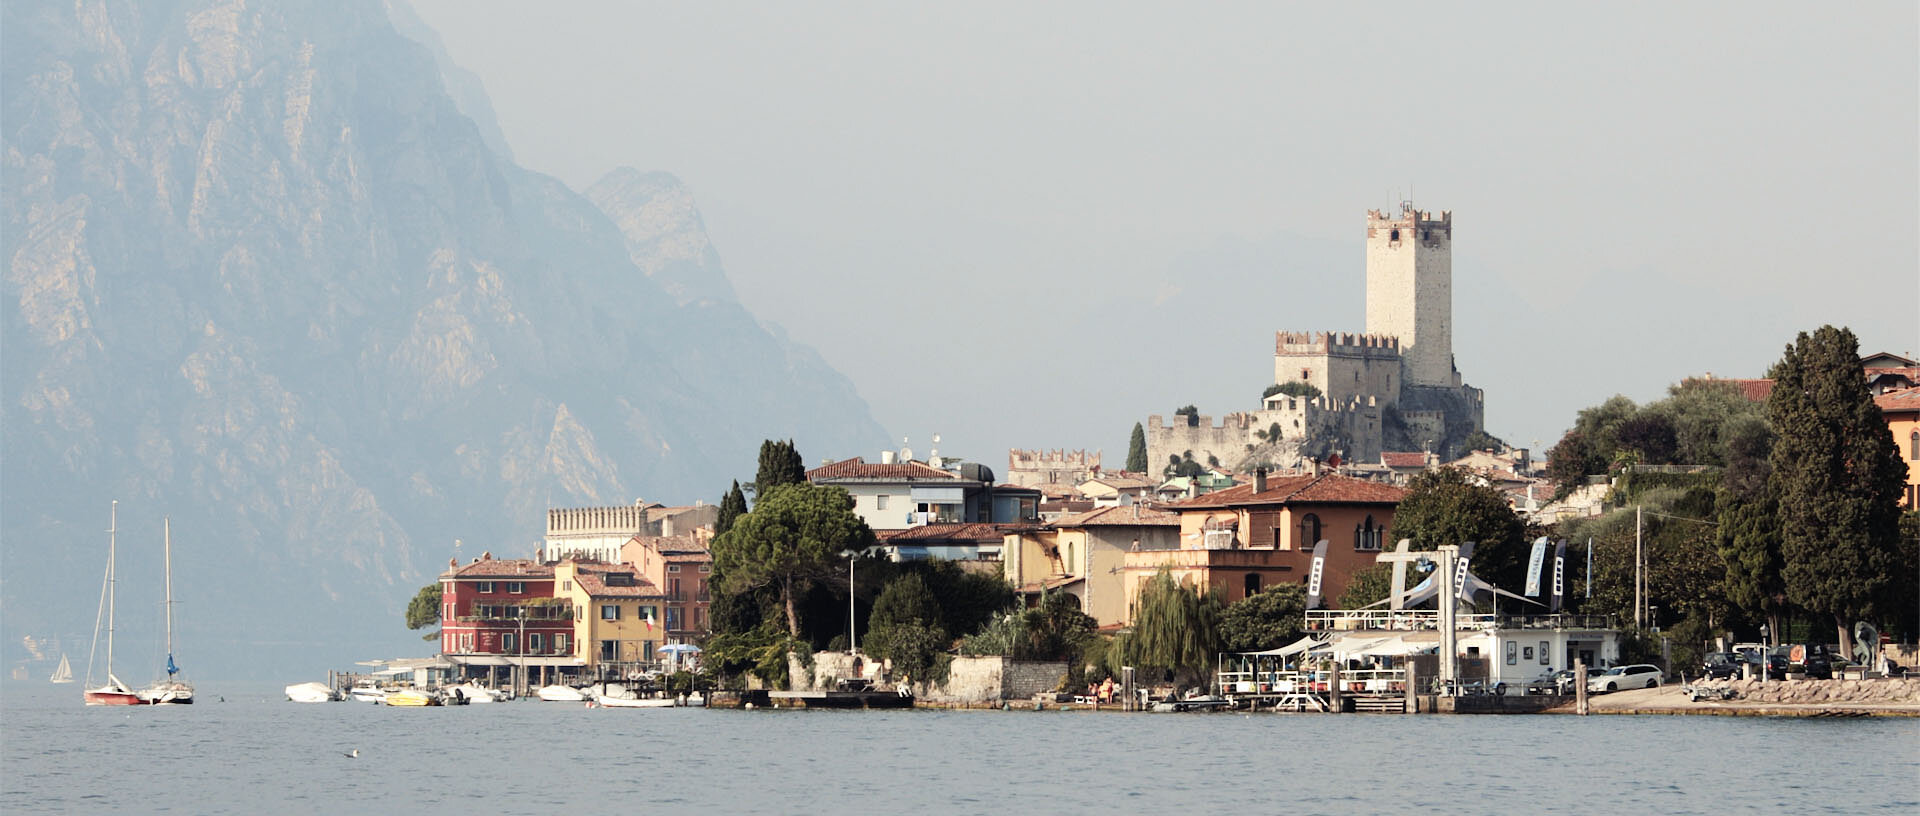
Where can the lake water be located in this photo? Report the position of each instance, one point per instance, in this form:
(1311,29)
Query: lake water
(255,753)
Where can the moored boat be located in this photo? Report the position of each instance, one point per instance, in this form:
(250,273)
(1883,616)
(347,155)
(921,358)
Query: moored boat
(113,692)
(367,694)
(62,673)
(412,698)
(172,690)
(648,702)
(311,693)
(561,694)
(481,694)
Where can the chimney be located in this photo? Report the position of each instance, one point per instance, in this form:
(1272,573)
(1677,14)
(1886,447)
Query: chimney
(1260,480)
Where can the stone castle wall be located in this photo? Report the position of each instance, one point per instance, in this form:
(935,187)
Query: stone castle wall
(1343,365)
(1031,468)
(994,679)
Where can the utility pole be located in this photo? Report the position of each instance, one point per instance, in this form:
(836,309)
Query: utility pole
(1639,583)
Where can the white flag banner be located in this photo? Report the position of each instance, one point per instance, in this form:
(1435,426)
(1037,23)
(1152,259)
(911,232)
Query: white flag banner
(1534,561)
(1313,577)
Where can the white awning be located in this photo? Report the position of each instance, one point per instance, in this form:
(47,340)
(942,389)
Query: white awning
(1294,648)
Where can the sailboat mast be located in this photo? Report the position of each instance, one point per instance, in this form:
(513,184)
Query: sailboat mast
(113,527)
(166,525)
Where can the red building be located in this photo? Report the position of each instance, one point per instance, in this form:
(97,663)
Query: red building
(502,613)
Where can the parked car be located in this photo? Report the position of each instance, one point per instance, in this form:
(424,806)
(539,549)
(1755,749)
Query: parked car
(1560,682)
(1776,665)
(1722,666)
(1638,675)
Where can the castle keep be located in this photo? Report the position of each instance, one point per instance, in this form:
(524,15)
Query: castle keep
(1394,387)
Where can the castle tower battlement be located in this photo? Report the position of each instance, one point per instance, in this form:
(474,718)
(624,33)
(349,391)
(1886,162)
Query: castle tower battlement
(1342,343)
(1030,468)
(1410,289)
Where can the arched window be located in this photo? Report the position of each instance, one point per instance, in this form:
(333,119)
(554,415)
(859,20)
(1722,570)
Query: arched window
(1366,536)
(1913,446)
(1309,531)
(1253,584)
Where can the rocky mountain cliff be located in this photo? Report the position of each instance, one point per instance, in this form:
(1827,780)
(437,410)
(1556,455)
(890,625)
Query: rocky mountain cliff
(265,275)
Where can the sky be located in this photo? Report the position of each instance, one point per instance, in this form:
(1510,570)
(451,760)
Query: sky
(1032,225)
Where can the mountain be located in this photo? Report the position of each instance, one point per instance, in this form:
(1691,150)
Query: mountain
(264,273)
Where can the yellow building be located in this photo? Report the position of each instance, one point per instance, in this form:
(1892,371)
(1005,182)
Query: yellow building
(617,624)
(1902,412)
(1082,554)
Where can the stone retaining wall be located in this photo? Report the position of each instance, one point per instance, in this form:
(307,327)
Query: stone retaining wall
(993,679)
(1885,690)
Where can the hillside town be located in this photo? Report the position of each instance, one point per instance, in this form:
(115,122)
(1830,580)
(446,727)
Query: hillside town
(1246,561)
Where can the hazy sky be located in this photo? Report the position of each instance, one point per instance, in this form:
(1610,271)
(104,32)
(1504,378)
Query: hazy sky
(1032,224)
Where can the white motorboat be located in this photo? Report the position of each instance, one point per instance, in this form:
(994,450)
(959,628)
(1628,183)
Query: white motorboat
(311,693)
(617,702)
(480,694)
(561,694)
(367,694)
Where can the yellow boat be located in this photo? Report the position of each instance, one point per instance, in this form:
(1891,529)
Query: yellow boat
(412,697)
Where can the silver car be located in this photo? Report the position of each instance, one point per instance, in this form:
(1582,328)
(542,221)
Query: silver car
(1638,675)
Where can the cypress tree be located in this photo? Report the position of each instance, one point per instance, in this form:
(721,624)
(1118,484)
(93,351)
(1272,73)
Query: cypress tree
(1838,477)
(1137,450)
(732,506)
(779,465)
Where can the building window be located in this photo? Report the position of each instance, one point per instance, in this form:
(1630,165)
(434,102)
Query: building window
(1309,530)
(566,586)
(1393,236)
(1253,584)
(534,643)
(673,619)
(508,642)
(609,650)
(649,614)
(1366,536)
(516,587)
(880,502)
(704,568)
(609,611)
(466,643)
(1913,446)
(484,587)
(560,642)
(673,567)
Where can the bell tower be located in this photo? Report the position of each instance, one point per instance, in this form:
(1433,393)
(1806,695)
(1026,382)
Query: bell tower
(1410,290)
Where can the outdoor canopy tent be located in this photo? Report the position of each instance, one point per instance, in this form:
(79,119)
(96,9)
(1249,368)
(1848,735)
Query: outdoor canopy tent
(1304,644)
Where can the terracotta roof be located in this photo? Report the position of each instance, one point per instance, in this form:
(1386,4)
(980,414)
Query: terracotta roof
(857,468)
(1122,482)
(684,557)
(1330,488)
(1047,585)
(684,542)
(1057,491)
(490,567)
(972,531)
(594,581)
(1403,459)
(1899,401)
(1121,517)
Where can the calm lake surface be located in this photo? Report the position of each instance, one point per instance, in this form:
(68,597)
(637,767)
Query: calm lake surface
(255,753)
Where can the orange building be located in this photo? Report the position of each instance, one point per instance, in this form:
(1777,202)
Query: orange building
(1902,412)
(680,565)
(1249,537)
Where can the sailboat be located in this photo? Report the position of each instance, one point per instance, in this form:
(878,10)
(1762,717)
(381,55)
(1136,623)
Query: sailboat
(63,673)
(171,691)
(113,692)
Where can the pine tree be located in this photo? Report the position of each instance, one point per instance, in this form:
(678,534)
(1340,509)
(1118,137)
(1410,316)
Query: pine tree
(732,506)
(1137,450)
(1838,477)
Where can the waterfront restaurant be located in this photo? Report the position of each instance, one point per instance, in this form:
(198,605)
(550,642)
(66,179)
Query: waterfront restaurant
(498,615)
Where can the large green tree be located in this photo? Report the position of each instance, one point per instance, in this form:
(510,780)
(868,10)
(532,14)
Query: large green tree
(1268,619)
(424,610)
(1838,476)
(1445,506)
(906,626)
(1174,628)
(1748,540)
(1137,450)
(780,464)
(1369,586)
(794,536)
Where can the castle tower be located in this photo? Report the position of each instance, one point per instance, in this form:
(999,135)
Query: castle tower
(1410,290)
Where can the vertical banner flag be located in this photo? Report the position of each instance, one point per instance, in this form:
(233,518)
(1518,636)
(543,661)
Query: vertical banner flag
(1313,577)
(1460,570)
(1533,566)
(1559,574)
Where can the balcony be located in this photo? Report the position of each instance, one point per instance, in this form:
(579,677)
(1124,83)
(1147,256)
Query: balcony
(1344,620)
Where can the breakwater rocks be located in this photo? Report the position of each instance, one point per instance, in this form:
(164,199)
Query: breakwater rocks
(1816,692)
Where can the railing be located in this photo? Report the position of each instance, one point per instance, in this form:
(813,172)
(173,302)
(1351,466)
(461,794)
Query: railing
(1312,681)
(1418,619)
